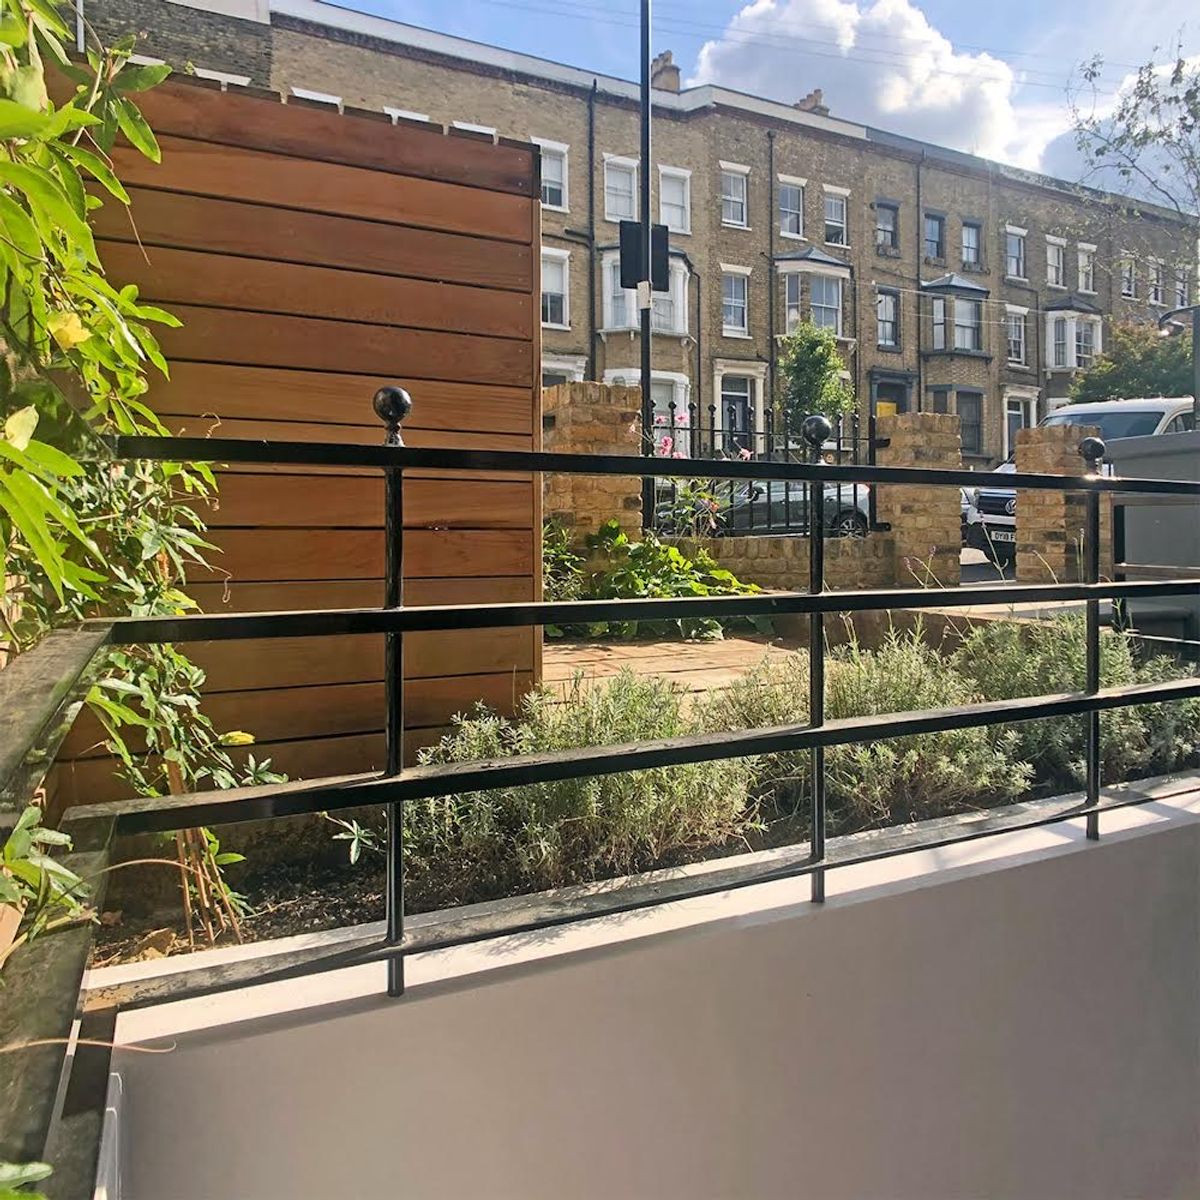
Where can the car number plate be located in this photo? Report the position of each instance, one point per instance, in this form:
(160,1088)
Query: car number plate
(1002,535)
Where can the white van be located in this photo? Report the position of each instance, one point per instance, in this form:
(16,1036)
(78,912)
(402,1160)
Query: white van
(991,519)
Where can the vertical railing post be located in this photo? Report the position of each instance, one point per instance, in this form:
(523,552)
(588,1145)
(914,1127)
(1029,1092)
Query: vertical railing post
(1092,450)
(816,431)
(392,405)
(1119,607)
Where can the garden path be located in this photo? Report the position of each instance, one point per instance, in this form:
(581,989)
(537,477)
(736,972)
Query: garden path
(694,666)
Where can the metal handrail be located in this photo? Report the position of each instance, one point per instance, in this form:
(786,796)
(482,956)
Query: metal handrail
(397,785)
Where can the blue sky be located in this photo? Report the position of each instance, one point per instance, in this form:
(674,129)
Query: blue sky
(990,78)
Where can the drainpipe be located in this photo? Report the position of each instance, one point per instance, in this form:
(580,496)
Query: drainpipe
(919,398)
(772,279)
(80,40)
(698,397)
(592,372)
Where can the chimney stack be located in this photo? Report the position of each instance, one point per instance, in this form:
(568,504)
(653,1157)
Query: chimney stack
(813,103)
(664,74)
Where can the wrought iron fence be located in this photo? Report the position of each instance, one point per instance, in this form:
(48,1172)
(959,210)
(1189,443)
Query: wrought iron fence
(721,507)
(398,785)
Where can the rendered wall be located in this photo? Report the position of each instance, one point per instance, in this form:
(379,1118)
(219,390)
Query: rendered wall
(1023,1029)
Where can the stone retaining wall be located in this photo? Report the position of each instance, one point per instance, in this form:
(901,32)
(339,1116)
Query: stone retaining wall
(1050,524)
(592,418)
(780,562)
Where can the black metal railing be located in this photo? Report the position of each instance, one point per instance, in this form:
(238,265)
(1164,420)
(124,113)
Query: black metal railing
(720,507)
(397,785)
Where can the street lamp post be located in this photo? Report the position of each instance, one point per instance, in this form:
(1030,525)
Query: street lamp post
(1171,318)
(643,291)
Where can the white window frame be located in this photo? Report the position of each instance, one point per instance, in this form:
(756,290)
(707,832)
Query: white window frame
(969,304)
(1086,253)
(1056,255)
(791,181)
(678,296)
(943,228)
(562,256)
(893,295)
(937,317)
(840,308)
(731,170)
(685,177)
(610,274)
(1012,313)
(317,97)
(1182,287)
(1071,321)
(757,371)
(1156,284)
(561,151)
(1127,267)
(470,127)
(831,191)
(681,385)
(977,261)
(793,293)
(732,272)
(1023,263)
(1091,325)
(615,162)
(1028,405)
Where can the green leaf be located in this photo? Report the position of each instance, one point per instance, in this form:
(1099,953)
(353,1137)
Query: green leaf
(47,198)
(18,429)
(14,1175)
(20,121)
(133,125)
(223,860)
(20,229)
(141,78)
(34,528)
(94,165)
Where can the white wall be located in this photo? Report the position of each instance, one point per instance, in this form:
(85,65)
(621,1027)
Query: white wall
(1021,1029)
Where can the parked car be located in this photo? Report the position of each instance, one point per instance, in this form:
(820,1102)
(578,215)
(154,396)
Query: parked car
(777,506)
(993,526)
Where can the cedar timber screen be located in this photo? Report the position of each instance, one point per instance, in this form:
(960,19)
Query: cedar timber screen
(314,256)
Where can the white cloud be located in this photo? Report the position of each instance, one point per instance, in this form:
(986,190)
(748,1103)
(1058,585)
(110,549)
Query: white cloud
(884,64)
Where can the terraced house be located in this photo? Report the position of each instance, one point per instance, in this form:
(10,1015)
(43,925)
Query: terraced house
(953,284)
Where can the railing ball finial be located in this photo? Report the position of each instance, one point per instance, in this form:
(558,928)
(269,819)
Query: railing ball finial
(1092,449)
(816,430)
(392,405)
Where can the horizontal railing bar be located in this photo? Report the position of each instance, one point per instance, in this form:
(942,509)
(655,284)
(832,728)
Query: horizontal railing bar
(324,622)
(1158,570)
(229,450)
(551,912)
(165,813)
(1151,501)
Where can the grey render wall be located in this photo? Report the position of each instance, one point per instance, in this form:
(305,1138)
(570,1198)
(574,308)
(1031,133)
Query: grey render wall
(1024,1030)
(1162,534)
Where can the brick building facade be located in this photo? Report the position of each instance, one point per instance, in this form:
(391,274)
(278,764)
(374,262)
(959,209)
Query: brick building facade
(955,284)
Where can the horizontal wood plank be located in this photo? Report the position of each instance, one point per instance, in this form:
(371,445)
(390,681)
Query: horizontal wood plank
(267,340)
(307,662)
(278,394)
(290,714)
(276,180)
(180,221)
(171,277)
(94,780)
(258,122)
(357,593)
(259,556)
(344,502)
